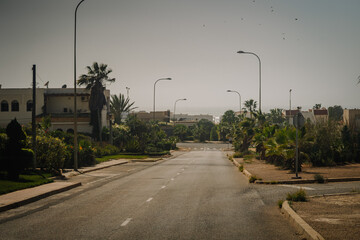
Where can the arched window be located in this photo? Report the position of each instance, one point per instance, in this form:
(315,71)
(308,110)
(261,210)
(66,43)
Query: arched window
(14,106)
(29,106)
(4,106)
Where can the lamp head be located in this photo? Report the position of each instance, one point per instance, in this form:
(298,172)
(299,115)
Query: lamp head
(229,90)
(240,52)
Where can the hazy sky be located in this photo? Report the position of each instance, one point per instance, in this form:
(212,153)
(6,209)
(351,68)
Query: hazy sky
(312,47)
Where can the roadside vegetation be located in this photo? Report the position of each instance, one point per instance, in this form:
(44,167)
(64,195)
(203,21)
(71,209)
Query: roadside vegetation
(269,137)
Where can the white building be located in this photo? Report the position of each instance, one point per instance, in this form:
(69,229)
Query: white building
(56,102)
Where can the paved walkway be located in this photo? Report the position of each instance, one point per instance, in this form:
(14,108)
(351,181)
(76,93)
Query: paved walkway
(271,174)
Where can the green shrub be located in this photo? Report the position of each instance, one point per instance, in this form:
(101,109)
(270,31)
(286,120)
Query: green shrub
(133,146)
(252,179)
(299,196)
(15,158)
(105,150)
(319,178)
(238,155)
(280,203)
(241,168)
(51,153)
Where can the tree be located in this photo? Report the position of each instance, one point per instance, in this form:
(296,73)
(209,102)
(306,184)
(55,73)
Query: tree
(227,125)
(181,131)
(95,80)
(275,116)
(317,106)
(335,113)
(16,158)
(214,134)
(250,105)
(202,130)
(119,105)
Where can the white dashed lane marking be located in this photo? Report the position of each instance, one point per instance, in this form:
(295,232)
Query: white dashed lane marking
(126,222)
(298,187)
(149,199)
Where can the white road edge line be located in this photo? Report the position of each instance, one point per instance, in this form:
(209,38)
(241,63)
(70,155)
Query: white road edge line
(149,199)
(126,222)
(298,187)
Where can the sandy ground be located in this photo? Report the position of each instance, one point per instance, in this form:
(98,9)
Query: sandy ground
(334,217)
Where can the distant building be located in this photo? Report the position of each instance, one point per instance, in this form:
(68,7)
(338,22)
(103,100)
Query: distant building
(313,115)
(56,102)
(192,118)
(351,118)
(161,116)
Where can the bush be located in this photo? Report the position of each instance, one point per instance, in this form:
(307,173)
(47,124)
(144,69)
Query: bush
(319,178)
(280,203)
(15,158)
(51,153)
(299,196)
(238,155)
(105,150)
(241,168)
(133,146)
(252,179)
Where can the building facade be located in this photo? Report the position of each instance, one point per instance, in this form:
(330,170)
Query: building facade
(351,117)
(55,102)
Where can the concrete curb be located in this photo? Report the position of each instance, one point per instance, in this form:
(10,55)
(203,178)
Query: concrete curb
(304,181)
(245,172)
(74,173)
(299,223)
(8,201)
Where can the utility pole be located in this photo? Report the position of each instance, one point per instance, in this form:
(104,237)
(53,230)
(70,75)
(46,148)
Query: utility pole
(33,110)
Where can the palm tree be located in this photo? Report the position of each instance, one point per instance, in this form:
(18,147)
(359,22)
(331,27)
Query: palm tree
(119,105)
(95,80)
(251,106)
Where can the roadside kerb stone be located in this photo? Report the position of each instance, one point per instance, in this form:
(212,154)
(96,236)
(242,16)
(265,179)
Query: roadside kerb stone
(29,195)
(299,223)
(97,167)
(245,172)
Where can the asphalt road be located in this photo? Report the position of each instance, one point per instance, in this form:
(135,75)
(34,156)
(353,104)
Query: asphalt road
(197,195)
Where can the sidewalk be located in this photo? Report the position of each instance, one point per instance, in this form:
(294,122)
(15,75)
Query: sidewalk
(29,195)
(270,174)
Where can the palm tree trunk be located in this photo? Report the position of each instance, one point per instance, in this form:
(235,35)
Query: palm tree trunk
(99,125)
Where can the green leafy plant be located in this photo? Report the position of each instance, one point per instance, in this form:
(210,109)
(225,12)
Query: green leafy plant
(298,196)
(241,168)
(319,178)
(51,153)
(252,179)
(280,203)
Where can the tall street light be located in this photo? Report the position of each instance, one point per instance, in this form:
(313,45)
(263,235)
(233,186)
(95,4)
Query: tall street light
(239,97)
(75,107)
(181,99)
(242,52)
(290,104)
(161,79)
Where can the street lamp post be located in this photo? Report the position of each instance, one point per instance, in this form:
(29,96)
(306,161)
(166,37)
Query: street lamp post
(290,105)
(239,97)
(161,79)
(242,52)
(75,107)
(181,99)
